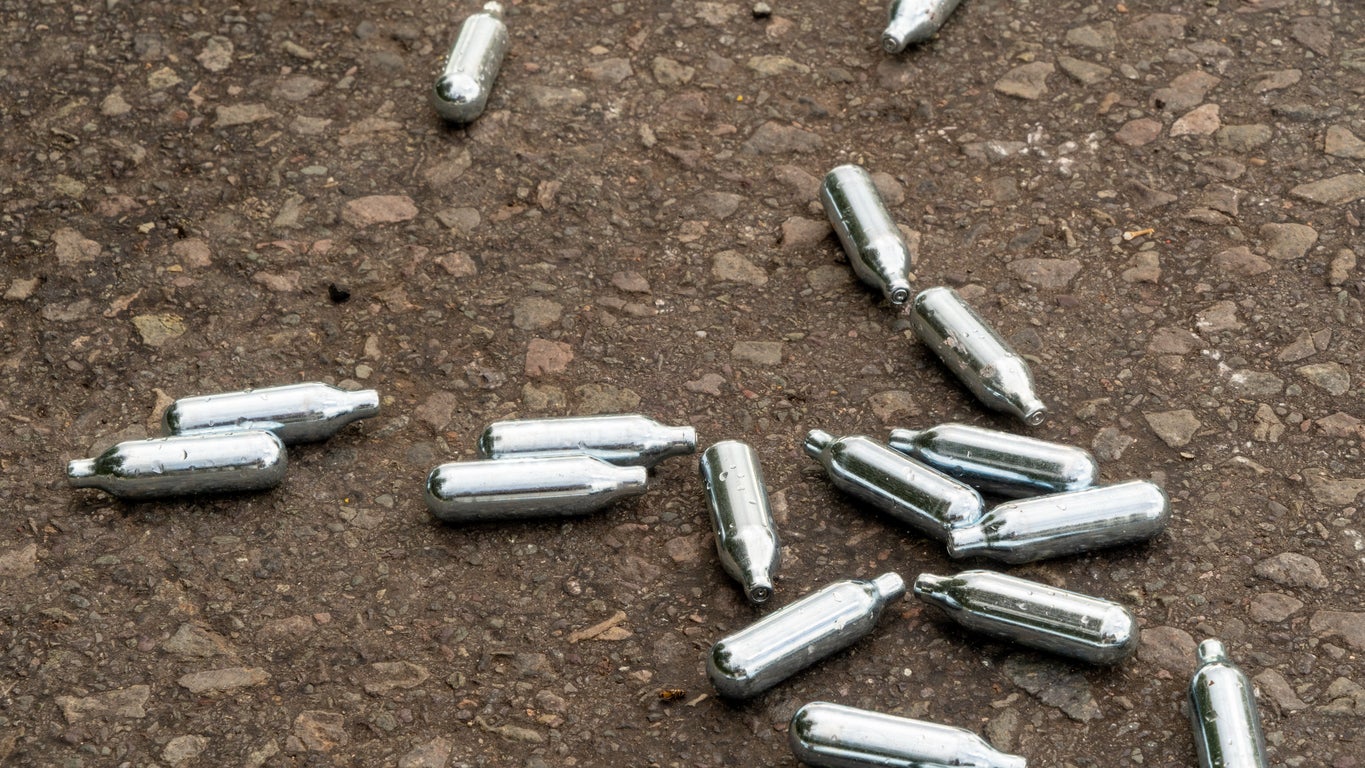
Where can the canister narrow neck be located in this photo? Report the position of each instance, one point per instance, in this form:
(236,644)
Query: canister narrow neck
(928,584)
(817,440)
(1212,650)
(889,586)
(966,541)
(81,473)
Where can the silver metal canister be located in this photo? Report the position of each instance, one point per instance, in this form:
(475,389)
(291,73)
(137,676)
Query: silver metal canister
(998,462)
(1065,523)
(746,537)
(516,488)
(917,495)
(834,736)
(298,413)
(1026,612)
(914,21)
(626,439)
(161,467)
(787,641)
(1227,724)
(874,245)
(461,92)
(972,350)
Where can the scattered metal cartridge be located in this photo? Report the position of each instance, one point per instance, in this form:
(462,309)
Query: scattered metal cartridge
(1033,614)
(211,462)
(783,643)
(461,92)
(874,245)
(917,495)
(746,538)
(622,439)
(298,413)
(511,489)
(996,374)
(914,21)
(1227,725)
(998,462)
(834,736)
(1065,523)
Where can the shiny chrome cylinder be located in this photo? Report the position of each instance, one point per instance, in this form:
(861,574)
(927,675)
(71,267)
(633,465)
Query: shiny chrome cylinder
(183,465)
(917,495)
(628,439)
(787,641)
(998,462)
(874,244)
(1026,612)
(972,350)
(914,21)
(515,488)
(1227,724)
(834,736)
(1065,523)
(461,92)
(746,537)
(298,413)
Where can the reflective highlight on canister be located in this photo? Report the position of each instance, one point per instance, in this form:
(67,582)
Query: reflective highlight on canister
(972,350)
(162,467)
(461,92)
(874,245)
(834,736)
(1065,523)
(746,537)
(626,439)
(783,643)
(298,413)
(914,21)
(1026,612)
(998,462)
(509,489)
(1227,724)
(917,495)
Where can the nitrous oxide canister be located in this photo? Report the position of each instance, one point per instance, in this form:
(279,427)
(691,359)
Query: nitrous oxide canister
(972,350)
(183,465)
(874,245)
(914,21)
(783,643)
(998,462)
(746,537)
(461,92)
(626,439)
(298,413)
(1065,523)
(834,736)
(1026,612)
(917,495)
(516,488)
(1227,724)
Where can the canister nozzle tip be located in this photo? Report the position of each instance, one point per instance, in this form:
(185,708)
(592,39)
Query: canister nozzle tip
(927,581)
(899,294)
(816,442)
(79,471)
(1211,650)
(964,542)
(760,593)
(890,585)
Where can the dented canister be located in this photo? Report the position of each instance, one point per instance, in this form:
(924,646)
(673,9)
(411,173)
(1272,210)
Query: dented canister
(298,413)
(998,462)
(461,92)
(1026,612)
(873,243)
(625,439)
(1065,523)
(914,21)
(183,465)
(972,350)
(1223,712)
(913,493)
(516,488)
(746,537)
(834,736)
(783,643)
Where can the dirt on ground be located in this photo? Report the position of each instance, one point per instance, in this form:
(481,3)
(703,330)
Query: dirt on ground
(1157,203)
